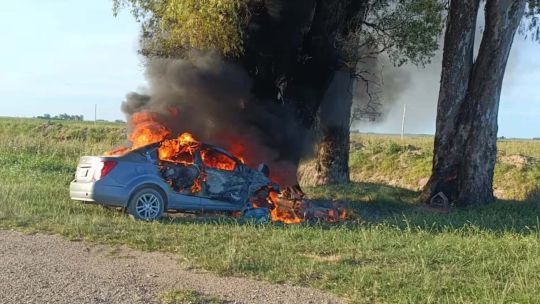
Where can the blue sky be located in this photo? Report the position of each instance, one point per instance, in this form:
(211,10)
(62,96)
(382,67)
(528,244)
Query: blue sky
(64,56)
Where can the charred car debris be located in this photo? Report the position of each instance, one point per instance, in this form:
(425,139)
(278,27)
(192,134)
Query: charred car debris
(186,175)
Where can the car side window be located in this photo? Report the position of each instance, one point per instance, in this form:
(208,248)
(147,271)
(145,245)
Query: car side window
(217,160)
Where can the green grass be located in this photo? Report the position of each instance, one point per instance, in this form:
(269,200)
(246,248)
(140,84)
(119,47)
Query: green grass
(407,164)
(393,252)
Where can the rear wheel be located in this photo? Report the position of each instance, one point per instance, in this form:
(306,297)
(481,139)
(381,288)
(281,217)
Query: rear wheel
(146,204)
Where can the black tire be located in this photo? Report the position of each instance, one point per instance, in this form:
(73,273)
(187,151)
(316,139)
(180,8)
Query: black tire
(146,204)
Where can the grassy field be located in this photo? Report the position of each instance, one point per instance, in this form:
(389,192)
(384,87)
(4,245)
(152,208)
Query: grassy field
(407,164)
(393,252)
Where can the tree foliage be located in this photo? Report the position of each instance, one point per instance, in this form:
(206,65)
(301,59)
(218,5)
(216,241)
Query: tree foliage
(530,25)
(407,30)
(170,27)
(63,116)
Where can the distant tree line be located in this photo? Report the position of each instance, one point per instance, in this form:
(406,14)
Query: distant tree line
(62,117)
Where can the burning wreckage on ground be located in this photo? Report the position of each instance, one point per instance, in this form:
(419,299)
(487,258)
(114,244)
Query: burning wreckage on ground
(160,172)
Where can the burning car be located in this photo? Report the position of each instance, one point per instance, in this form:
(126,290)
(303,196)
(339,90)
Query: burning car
(179,174)
(158,173)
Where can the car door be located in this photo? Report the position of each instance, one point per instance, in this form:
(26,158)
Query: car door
(180,172)
(224,179)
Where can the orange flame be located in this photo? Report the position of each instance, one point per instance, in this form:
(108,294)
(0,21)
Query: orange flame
(146,130)
(280,214)
(217,160)
(179,150)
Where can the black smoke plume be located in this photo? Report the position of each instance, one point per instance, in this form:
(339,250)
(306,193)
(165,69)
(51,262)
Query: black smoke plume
(211,99)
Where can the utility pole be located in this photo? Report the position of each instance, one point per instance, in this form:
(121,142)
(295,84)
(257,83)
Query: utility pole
(403,121)
(95,113)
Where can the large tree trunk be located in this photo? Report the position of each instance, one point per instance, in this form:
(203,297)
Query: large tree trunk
(456,70)
(332,160)
(465,139)
(476,174)
(294,59)
(334,112)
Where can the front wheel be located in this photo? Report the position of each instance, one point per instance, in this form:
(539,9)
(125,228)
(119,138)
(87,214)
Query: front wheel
(146,204)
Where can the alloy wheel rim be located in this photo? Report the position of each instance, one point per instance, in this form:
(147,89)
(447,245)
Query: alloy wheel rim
(147,206)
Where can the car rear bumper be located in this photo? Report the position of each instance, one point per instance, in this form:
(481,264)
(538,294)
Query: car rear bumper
(81,191)
(98,192)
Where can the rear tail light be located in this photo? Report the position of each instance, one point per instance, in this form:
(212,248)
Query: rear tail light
(104,167)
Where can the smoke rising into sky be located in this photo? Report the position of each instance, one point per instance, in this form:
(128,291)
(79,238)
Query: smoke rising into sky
(210,98)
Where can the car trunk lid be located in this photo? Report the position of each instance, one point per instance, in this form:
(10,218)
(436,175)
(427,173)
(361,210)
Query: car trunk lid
(87,167)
